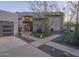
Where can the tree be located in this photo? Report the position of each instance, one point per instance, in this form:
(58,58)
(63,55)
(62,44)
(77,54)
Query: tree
(71,13)
(76,28)
(74,10)
(43,7)
(73,37)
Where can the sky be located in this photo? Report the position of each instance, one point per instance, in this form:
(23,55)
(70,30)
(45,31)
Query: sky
(14,6)
(19,6)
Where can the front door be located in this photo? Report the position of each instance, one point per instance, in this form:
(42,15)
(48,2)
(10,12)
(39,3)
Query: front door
(28,27)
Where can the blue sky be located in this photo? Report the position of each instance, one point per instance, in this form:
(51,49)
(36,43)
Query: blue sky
(19,6)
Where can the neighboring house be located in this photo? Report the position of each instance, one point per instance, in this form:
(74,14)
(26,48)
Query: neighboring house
(30,21)
(8,23)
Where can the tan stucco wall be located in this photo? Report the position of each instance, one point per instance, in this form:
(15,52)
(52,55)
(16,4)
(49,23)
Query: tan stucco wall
(55,22)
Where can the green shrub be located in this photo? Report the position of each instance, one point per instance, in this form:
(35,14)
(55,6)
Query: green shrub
(39,30)
(43,33)
(52,30)
(71,38)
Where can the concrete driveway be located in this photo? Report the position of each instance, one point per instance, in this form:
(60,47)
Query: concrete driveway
(15,47)
(10,42)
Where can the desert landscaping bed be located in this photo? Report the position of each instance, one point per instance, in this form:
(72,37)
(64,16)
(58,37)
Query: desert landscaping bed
(45,34)
(26,39)
(54,52)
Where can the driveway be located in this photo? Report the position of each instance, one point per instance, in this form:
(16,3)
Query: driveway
(10,42)
(14,47)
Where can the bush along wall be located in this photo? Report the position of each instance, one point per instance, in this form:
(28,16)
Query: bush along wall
(71,38)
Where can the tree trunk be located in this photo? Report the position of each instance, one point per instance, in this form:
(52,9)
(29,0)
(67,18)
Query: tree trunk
(76,28)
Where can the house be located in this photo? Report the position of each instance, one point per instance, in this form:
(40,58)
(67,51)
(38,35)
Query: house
(8,23)
(30,21)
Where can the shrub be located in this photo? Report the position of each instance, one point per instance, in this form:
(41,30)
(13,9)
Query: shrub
(39,30)
(71,38)
(52,30)
(42,33)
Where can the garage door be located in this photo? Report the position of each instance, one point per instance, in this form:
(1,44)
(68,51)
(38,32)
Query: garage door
(6,28)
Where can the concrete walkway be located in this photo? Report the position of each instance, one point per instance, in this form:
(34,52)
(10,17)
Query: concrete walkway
(27,35)
(34,38)
(39,42)
(72,51)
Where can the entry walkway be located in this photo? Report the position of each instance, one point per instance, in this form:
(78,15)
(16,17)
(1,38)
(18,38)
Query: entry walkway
(39,42)
(48,42)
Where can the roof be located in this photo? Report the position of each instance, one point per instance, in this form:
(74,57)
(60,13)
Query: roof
(3,11)
(38,14)
(55,14)
(7,12)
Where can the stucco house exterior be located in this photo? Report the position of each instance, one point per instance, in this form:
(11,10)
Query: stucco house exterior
(30,21)
(8,23)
